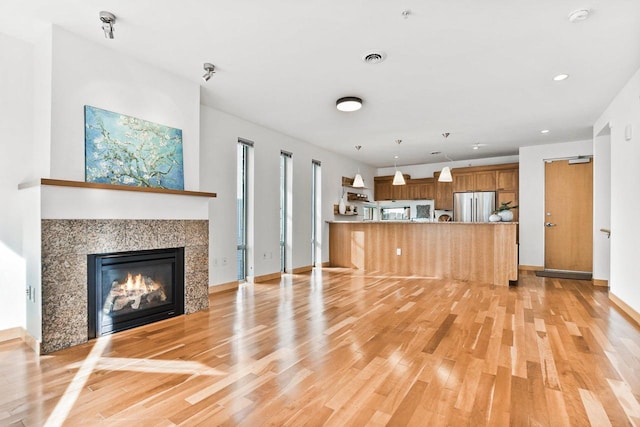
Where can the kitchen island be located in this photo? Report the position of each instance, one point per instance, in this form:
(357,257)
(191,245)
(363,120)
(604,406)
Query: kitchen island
(484,252)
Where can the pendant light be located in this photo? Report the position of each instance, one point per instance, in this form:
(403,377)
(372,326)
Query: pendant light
(398,178)
(445,175)
(358,182)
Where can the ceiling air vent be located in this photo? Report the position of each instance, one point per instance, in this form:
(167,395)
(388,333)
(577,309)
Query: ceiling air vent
(374,57)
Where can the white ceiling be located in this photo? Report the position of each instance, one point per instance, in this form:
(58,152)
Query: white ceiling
(481,70)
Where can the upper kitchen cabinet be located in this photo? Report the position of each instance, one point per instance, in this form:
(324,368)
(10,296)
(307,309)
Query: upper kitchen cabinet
(484,180)
(383,189)
(464,181)
(507,180)
(421,189)
(414,189)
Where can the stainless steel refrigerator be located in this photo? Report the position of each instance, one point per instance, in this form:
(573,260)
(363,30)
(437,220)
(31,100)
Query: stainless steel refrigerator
(473,207)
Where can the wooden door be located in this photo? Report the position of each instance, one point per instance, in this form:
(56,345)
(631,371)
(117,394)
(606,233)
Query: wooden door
(568,216)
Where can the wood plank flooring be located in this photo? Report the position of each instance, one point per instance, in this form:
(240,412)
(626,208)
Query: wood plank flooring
(344,348)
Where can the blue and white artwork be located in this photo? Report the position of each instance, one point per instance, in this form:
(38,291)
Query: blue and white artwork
(125,150)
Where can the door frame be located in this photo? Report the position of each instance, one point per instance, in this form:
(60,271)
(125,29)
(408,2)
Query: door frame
(544,212)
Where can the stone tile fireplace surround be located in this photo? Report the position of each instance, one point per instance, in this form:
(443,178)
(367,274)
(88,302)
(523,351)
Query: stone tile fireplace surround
(67,220)
(66,244)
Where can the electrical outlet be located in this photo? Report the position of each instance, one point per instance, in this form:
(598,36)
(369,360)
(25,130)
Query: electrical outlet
(224,261)
(398,251)
(264,255)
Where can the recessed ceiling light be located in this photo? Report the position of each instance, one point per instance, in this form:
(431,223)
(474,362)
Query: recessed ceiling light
(349,103)
(578,15)
(477,145)
(544,131)
(561,77)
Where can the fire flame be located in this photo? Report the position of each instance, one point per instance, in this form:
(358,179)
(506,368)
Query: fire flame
(134,284)
(133,292)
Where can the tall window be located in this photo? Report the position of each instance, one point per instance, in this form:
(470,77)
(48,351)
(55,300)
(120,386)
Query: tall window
(244,150)
(316,214)
(285,209)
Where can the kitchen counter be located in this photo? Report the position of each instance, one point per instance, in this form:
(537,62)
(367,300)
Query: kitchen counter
(484,252)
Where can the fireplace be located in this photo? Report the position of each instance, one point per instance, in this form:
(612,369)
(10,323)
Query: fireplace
(129,289)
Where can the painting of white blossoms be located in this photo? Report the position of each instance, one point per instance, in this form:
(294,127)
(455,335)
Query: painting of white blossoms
(126,150)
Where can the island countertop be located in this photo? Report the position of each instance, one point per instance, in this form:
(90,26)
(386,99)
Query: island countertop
(485,252)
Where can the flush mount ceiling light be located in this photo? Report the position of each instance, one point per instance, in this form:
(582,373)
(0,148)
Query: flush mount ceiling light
(358,182)
(561,77)
(578,15)
(108,20)
(398,178)
(349,103)
(477,146)
(210,71)
(544,131)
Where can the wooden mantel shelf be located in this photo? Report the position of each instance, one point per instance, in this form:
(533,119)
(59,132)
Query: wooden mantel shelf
(79,184)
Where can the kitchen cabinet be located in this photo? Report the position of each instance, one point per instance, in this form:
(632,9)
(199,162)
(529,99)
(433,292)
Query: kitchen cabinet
(502,179)
(507,180)
(421,189)
(385,190)
(485,181)
(382,188)
(474,181)
(444,194)
(463,182)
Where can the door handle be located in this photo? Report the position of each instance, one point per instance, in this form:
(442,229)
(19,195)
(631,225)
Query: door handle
(549,224)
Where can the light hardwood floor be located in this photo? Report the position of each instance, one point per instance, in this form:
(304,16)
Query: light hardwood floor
(345,348)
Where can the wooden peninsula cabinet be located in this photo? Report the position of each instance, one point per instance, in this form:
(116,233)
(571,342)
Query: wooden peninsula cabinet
(483,252)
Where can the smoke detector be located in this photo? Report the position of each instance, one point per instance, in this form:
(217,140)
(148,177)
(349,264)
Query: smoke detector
(579,15)
(374,57)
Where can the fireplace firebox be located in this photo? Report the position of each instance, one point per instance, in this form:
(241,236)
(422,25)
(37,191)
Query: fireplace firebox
(129,289)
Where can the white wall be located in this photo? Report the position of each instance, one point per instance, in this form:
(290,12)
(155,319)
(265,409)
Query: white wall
(427,170)
(86,73)
(601,204)
(531,210)
(16,165)
(219,137)
(625,187)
